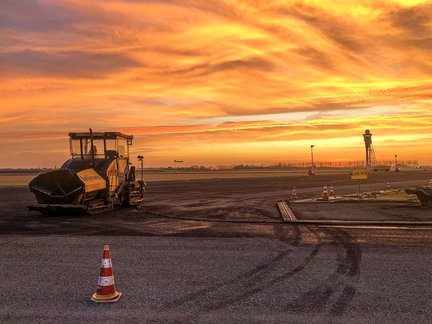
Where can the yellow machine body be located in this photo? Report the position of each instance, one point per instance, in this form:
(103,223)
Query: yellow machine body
(92,181)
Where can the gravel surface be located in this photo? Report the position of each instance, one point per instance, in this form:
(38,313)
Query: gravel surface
(51,279)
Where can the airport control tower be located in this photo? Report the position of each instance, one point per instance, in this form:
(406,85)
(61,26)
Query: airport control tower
(369,147)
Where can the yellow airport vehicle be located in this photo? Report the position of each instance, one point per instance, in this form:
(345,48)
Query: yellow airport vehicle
(98,177)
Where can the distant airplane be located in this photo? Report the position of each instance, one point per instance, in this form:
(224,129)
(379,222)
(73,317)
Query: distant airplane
(178,161)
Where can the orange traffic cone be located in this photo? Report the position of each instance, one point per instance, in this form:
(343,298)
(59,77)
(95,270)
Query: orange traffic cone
(325,195)
(294,193)
(106,292)
(388,186)
(331,193)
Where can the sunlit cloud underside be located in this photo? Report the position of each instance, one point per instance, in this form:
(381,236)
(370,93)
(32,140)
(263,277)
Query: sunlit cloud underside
(217,82)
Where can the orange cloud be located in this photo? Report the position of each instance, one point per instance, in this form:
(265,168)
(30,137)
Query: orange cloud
(216,81)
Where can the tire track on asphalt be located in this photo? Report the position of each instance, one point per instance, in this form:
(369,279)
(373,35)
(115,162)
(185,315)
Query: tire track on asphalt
(264,285)
(263,267)
(244,279)
(349,266)
(318,298)
(253,281)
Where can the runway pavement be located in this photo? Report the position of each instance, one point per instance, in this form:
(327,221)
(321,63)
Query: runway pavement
(335,279)
(172,270)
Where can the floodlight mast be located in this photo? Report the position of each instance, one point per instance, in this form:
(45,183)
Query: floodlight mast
(312,163)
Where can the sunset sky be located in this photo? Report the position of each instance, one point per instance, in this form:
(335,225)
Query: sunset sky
(217,82)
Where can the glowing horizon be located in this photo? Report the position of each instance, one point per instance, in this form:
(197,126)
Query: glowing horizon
(217,82)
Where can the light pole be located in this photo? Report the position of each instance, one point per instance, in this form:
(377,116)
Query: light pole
(311,147)
(141,160)
(396,164)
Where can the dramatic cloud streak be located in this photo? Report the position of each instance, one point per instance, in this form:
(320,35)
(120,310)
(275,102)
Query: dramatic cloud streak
(217,81)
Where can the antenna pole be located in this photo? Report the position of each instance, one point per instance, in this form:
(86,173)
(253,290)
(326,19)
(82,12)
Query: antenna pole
(141,160)
(92,148)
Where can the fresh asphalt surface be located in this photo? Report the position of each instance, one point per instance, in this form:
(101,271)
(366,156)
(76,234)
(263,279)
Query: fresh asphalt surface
(215,280)
(195,271)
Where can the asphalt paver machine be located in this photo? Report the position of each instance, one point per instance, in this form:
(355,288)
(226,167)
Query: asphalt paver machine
(98,177)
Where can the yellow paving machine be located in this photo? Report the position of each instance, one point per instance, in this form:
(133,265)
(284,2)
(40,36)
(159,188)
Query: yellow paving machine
(98,177)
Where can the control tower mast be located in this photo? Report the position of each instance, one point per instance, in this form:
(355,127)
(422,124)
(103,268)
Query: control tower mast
(370,154)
